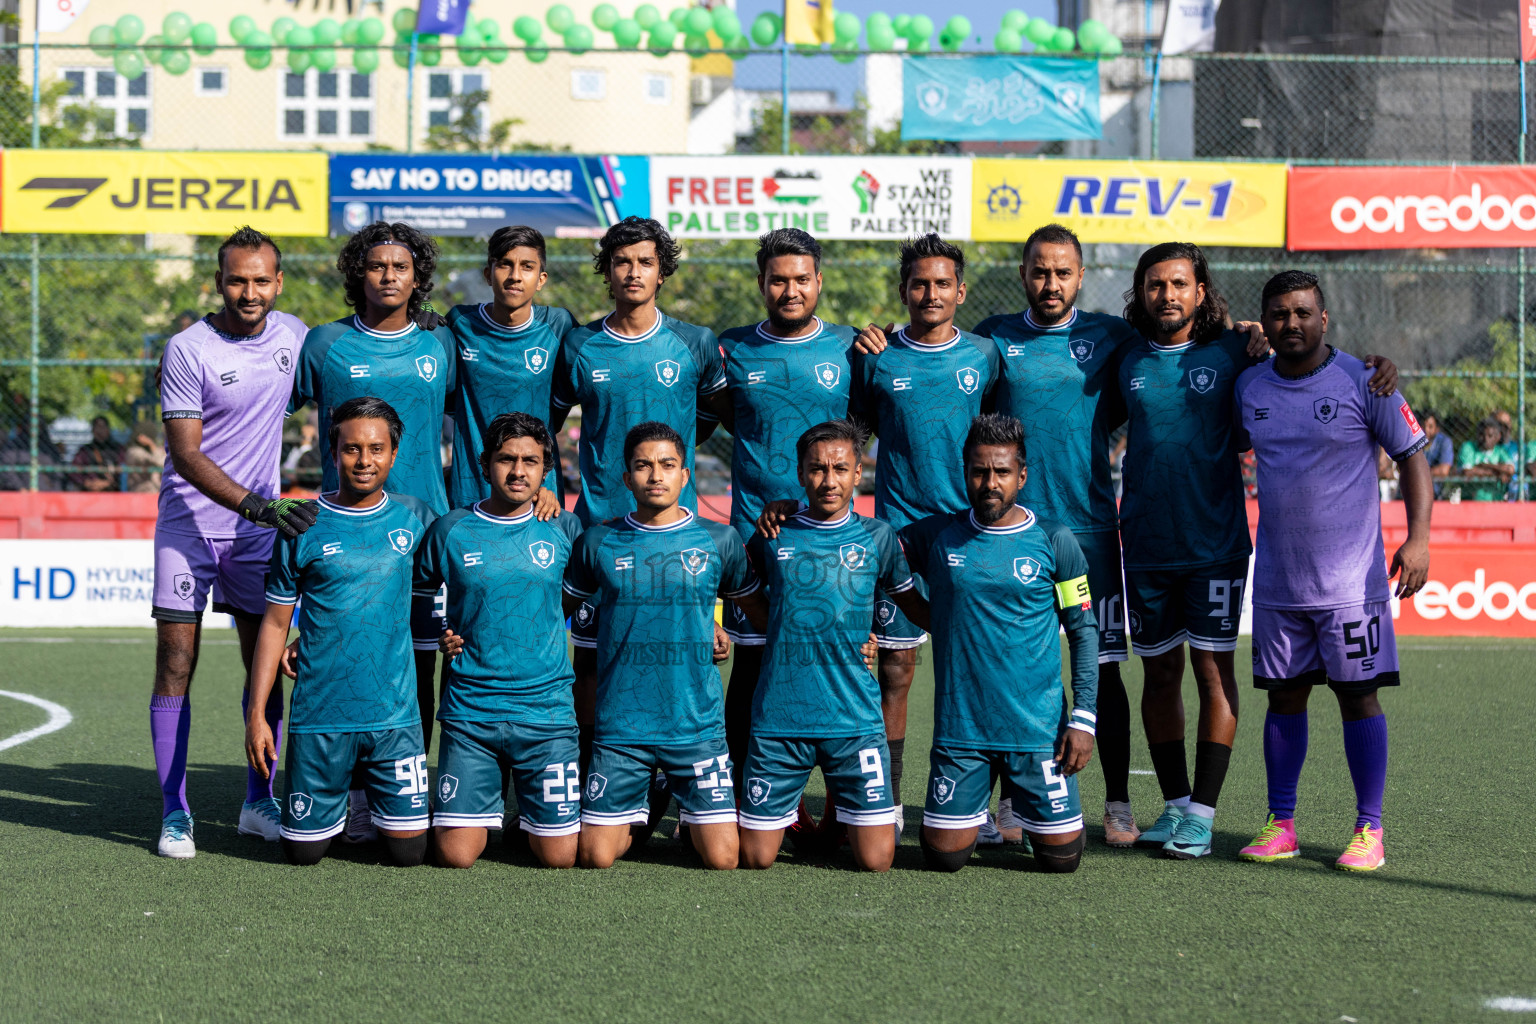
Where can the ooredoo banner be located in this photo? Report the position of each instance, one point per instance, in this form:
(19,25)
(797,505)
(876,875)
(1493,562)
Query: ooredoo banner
(1411,207)
(1474,590)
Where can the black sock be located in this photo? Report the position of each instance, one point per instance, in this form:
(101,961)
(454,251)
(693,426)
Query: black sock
(304,854)
(1113,738)
(1211,761)
(948,861)
(584,735)
(407,853)
(1059,860)
(896,748)
(738,706)
(1171,768)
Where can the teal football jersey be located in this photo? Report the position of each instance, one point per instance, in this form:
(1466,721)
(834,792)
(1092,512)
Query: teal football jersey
(496,568)
(822,579)
(1183,484)
(413,370)
(654,589)
(780,388)
(356,670)
(1060,383)
(920,400)
(500,370)
(998,596)
(620,382)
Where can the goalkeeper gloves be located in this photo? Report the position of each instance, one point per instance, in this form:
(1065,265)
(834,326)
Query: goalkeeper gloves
(291,515)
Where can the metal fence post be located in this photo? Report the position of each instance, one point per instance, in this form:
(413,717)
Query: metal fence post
(34,412)
(784,95)
(410,98)
(1157,77)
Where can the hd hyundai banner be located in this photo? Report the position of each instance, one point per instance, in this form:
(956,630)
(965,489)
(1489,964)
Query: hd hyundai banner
(1411,207)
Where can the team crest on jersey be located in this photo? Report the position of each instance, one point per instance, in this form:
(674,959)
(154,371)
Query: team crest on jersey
(1135,623)
(595,785)
(852,556)
(542,552)
(943,789)
(969,379)
(667,372)
(757,791)
(299,805)
(1026,569)
(426,367)
(284,359)
(695,560)
(828,374)
(1081,349)
(1325,409)
(447,788)
(1202,379)
(884,613)
(400,540)
(183,582)
(535,359)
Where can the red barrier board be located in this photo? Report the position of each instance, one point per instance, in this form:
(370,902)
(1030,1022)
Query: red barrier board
(1410,207)
(1474,590)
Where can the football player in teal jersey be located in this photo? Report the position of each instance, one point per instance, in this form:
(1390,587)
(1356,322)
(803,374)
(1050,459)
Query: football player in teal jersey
(816,703)
(1003,583)
(1184,527)
(353,707)
(507,349)
(507,708)
(653,576)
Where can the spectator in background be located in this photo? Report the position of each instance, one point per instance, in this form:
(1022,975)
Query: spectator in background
(185,319)
(1441,452)
(1506,424)
(101,452)
(16,451)
(296,460)
(1386,475)
(145,458)
(1488,461)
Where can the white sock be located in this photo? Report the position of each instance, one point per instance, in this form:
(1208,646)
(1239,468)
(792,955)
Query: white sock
(1182,803)
(1203,810)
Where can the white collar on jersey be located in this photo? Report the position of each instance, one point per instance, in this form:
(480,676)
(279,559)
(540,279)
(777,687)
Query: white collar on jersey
(1029,520)
(329,505)
(502,520)
(1032,324)
(629,518)
(825,524)
(485,315)
(357,324)
(763,332)
(1169,348)
(901,336)
(644,335)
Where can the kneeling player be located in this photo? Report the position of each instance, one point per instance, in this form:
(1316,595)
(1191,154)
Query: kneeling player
(1321,612)
(354,702)
(816,702)
(1001,582)
(653,577)
(508,705)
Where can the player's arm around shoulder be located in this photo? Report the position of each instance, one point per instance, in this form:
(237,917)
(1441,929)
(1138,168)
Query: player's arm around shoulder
(583,571)
(896,577)
(739,582)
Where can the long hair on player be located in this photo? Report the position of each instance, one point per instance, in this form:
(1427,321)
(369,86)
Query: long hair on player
(1210,317)
(633,231)
(248,237)
(353,262)
(994,430)
(515,236)
(849,430)
(366,407)
(1288,281)
(510,425)
(931,246)
(787,242)
(651,430)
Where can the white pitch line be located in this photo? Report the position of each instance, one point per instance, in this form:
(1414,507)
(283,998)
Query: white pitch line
(1142,771)
(58,718)
(1514,1004)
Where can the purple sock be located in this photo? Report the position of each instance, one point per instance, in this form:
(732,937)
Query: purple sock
(1285,748)
(170,719)
(256,787)
(1365,747)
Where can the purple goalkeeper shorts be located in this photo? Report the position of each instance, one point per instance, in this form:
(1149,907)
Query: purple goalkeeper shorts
(1353,650)
(187,567)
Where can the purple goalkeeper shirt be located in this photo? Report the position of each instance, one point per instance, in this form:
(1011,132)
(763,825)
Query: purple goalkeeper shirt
(239,388)
(1315,439)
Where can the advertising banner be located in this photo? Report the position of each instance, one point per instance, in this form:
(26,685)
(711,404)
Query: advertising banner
(1473,590)
(1411,207)
(131,191)
(1000,98)
(1528,29)
(1142,201)
(77,583)
(848,197)
(462,194)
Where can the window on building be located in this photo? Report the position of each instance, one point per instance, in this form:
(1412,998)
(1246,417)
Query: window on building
(323,106)
(211,81)
(447,92)
(657,89)
(101,103)
(588,83)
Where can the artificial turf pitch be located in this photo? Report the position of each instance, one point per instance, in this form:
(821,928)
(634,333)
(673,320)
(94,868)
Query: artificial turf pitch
(94,926)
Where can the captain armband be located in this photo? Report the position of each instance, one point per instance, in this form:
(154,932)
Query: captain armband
(1074,592)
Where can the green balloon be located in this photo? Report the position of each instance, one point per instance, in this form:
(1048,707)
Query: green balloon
(349,31)
(879,37)
(845,53)
(298,61)
(299,37)
(102,40)
(1111,47)
(327,32)
(401,51)
(1063,39)
(1015,20)
(256,39)
(959,27)
(559,18)
(661,38)
(177,61)
(469,54)
(877,18)
(536,54)
(176,28)
(698,22)
(646,16)
(323,59)
(737,47)
(950,43)
(605,16)
(677,16)
(1008,40)
(626,33)
(404,20)
(240,26)
(129,63)
(727,25)
(902,23)
(280,29)
(370,32)
(695,45)
(921,46)
(154,48)
(258,59)
(1038,31)
(496,52)
(366,60)
(920,28)
(429,50)
(527,28)
(765,30)
(128,30)
(489,29)
(845,27)
(205,39)
(578,39)
(807,47)
(1091,33)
